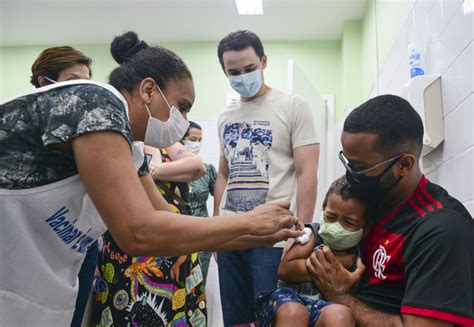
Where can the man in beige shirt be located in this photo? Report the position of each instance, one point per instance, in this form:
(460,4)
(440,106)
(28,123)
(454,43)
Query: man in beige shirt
(269,151)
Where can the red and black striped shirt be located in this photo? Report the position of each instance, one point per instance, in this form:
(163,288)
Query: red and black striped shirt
(420,259)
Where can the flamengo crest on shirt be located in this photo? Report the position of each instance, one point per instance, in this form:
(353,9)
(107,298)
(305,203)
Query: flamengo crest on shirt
(379,260)
(67,232)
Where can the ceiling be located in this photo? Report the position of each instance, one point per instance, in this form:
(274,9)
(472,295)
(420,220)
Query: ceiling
(41,22)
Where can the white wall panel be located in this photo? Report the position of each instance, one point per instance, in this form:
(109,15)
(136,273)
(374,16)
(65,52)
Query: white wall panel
(456,176)
(459,131)
(446,29)
(457,82)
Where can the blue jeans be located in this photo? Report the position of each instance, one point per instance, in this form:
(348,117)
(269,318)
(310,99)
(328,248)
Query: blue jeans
(86,277)
(242,276)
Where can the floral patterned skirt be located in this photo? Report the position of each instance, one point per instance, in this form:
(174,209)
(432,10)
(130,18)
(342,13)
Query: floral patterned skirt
(148,291)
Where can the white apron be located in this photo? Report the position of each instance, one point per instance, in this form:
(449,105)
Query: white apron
(44,234)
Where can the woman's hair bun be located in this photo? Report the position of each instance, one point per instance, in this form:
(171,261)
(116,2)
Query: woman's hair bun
(125,46)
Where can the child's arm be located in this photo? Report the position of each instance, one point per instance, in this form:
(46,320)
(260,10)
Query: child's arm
(347,260)
(292,267)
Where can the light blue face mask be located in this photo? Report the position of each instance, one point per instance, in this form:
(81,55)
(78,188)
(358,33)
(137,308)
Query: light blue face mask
(247,85)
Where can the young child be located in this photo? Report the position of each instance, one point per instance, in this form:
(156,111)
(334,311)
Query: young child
(297,302)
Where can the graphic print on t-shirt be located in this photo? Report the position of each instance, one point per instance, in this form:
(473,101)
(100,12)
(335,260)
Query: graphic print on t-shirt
(247,151)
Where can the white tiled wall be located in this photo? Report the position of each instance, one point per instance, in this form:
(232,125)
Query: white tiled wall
(446,29)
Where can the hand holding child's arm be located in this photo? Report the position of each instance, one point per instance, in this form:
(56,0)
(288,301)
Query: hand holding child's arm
(330,276)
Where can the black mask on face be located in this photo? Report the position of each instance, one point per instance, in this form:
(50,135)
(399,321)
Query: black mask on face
(368,188)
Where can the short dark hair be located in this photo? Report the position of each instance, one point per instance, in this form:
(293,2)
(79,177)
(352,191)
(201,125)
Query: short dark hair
(240,40)
(342,188)
(138,61)
(194,125)
(51,61)
(395,122)
(191,125)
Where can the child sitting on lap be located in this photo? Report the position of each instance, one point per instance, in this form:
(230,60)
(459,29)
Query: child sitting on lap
(297,302)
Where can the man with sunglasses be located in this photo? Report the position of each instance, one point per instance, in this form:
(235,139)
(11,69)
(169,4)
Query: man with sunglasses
(419,254)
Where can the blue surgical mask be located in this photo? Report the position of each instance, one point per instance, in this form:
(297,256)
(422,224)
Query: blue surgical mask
(247,85)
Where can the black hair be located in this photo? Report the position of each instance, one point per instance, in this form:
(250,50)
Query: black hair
(191,125)
(342,188)
(138,61)
(194,125)
(240,40)
(395,122)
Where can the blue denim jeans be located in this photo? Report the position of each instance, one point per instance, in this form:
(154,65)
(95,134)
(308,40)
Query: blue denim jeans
(86,277)
(242,276)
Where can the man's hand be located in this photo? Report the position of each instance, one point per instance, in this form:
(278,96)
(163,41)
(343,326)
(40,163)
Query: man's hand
(330,277)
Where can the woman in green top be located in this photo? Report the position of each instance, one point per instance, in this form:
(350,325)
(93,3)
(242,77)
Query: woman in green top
(200,189)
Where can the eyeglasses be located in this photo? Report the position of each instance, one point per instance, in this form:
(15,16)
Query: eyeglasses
(357,173)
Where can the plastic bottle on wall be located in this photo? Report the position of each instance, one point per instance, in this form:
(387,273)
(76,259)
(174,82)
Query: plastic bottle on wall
(415,60)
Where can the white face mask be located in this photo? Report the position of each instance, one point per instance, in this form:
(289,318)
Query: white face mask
(193,146)
(163,134)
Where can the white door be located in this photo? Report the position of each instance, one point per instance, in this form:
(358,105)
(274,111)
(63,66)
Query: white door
(299,83)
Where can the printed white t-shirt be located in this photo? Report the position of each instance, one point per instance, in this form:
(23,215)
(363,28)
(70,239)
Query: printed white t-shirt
(257,139)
